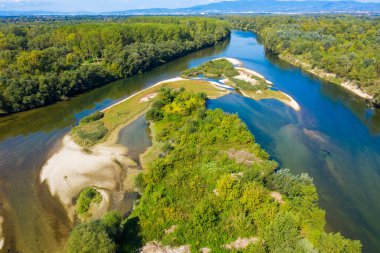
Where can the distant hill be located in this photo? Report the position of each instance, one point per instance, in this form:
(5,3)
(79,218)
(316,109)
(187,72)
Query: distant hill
(265,6)
(235,7)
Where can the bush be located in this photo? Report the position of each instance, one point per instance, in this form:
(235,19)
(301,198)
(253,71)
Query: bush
(88,134)
(90,237)
(282,233)
(87,196)
(154,114)
(93,117)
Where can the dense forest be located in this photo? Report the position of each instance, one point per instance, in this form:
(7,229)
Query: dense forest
(206,183)
(44,61)
(347,46)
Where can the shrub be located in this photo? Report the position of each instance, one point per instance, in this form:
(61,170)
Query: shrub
(87,196)
(282,233)
(88,134)
(154,114)
(93,117)
(90,237)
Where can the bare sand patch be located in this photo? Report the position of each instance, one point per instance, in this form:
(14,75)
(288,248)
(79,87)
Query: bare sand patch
(157,247)
(241,243)
(277,196)
(292,103)
(148,97)
(72,169)
(234,61)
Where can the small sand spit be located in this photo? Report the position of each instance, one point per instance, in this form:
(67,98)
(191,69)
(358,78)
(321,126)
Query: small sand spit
(241,243)
(156,247)
(71,169)
(292,103)
(249,71)
(234,61)
(148,97)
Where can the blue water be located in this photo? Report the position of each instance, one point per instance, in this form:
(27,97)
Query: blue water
(335,138)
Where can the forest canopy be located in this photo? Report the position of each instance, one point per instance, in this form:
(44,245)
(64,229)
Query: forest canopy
(42,62)
(348,46)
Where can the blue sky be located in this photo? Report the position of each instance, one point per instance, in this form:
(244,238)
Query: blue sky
(101,5)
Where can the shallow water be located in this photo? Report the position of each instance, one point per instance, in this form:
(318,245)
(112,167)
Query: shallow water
(135,137)
(335,138)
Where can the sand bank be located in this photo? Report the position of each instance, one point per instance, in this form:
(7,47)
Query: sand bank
(234,61)
(292,103)
(71,169)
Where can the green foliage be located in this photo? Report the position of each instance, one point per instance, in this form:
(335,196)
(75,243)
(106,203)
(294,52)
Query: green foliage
(212,69)
(335,243)
(88,134)
(196,186)
(87,196)
(93,117)
(100,236)
(244,85)
(154,114)
(282,233)
(347,46)
(211,199)
(49,60)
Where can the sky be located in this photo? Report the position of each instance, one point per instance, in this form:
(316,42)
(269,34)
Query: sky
(101,5)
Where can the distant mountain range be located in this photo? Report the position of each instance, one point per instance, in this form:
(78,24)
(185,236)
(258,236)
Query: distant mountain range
(265,6)
(235,7)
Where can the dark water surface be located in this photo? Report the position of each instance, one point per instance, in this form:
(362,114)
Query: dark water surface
(335,138)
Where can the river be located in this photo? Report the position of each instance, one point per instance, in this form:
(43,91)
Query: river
(335,138)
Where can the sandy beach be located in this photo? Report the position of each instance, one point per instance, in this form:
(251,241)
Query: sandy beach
(234,61)
(71,169)
(292,103)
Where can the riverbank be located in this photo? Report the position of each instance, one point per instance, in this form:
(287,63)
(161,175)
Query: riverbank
(324,75)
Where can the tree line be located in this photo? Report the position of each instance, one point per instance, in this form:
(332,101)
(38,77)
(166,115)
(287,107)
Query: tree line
(348,46)
(44,61)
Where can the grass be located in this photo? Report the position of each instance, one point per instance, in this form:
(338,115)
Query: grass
(87,196)
(88,134)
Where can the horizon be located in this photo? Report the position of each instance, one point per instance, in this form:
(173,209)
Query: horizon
(99,6)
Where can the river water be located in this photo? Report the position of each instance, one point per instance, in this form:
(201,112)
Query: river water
(335,138)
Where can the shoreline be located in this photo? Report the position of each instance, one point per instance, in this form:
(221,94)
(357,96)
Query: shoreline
(326,76)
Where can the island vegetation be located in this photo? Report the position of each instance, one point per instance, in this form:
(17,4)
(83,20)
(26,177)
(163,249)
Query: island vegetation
(206,185)
(249,83)
(87,197)
(341,49)
(46,60)
(97,127)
